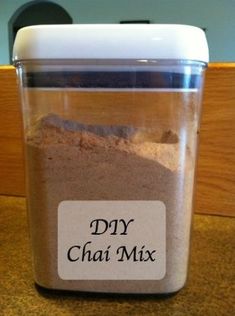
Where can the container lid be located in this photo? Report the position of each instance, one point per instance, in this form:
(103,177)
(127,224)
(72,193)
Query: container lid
(111,41)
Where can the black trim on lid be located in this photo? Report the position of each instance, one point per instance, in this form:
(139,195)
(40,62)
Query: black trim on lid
(111,79)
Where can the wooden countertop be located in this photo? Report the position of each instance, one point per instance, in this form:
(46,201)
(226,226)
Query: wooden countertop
(209,291)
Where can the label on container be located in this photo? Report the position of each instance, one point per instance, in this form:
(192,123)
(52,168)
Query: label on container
(111,240)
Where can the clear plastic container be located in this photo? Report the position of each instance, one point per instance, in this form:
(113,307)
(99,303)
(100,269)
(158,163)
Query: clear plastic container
(111,120)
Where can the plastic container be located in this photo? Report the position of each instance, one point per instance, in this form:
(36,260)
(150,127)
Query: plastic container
(111,119)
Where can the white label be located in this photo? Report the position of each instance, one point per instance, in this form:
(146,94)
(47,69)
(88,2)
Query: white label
(111,240)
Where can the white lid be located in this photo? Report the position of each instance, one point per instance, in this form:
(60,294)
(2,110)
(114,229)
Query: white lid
(111,41)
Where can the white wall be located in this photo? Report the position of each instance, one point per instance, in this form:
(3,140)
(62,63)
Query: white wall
(218,16)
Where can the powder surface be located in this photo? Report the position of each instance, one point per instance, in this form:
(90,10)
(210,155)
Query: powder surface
(67,160)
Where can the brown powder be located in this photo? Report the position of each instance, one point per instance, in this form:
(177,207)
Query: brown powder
(67,160)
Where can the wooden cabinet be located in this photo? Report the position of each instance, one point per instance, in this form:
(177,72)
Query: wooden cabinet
(215,185)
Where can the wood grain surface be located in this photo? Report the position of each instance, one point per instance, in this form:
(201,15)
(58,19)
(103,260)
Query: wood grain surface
(215,190)
(11,154)
(215,187)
